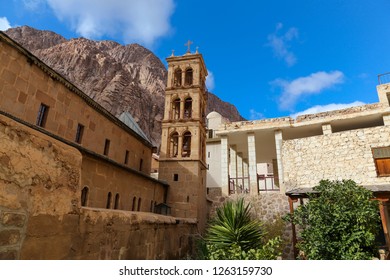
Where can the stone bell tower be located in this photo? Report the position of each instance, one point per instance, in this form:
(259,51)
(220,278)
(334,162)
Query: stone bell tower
(183,144)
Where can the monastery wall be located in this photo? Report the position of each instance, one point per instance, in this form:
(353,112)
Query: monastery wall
(334,156)
(26,83)
(40,207)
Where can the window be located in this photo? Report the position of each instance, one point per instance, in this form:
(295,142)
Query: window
(84,196)
(188,77)
(176,177)
(188,108)
(151,206)
(211,133)
(42,115)
(79,133)
(141,162)
(382,160)
(127,157)
(108,205)
(174,144)
(134,204)
(139,204)
(176,109)
(177,78)
(186,151)
(106,147)
(116,204)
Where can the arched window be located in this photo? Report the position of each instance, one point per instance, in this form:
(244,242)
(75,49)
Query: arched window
(133,207)
(188,77)
(174,144)
(139,204)
(176,109)
(188,108)
(84,196)
(177,78)
(116,204)
(108,205)
(186,150)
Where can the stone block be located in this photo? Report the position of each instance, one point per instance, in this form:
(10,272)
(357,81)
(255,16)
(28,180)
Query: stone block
(12,219)
(9,237)
(9,255)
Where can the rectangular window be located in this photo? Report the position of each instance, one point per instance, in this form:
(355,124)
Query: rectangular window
(42,115)
(176,177)
(141,161)
(79,133)
(106,147)
(127,157)
(382,160)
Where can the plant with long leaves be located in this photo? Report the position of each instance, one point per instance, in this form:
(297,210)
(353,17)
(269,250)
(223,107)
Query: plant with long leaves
(233,225)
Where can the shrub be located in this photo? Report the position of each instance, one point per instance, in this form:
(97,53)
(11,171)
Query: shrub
(234,235)
(339,222)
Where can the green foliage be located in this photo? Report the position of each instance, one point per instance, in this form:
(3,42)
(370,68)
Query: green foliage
(339,222)
(234,235)
(233,225)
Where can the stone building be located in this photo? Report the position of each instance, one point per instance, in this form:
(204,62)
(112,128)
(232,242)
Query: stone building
(75,180)
(352,143)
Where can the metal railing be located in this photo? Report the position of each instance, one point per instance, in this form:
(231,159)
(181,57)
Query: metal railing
(266,183)
(384,78)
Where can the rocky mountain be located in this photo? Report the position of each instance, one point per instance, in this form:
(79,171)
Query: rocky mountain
(120,78)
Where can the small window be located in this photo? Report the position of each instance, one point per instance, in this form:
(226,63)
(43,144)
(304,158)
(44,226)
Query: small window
(133,207)
(208,154)
(127,157)
(211,133)
(139,204)
(108,205)
(188,108)
(141,162)
(116,205)
(84,196)
(79,133)
(151,206)
(382,161)
(186,149)
(174,145)
(188,77)
(177,78)
(176,177)
(106,147)
(176,109)
(42,115)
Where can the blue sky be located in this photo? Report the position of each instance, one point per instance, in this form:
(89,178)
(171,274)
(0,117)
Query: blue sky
(269,58)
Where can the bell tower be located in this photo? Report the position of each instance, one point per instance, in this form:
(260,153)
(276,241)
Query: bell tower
(183,144)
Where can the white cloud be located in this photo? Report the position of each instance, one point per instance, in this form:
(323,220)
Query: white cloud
(210,82)
(312,84)
(280,44)
(329,107)
(255,115)
(136,21)
(4,24)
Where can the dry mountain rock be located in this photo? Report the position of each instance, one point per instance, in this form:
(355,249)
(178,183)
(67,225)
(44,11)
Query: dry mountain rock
(120,78)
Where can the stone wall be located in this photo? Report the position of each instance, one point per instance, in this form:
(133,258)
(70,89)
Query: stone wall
(335,156)
(41,215)
(26,83)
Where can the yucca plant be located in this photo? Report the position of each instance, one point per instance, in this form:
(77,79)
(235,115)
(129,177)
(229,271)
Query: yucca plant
(233,226)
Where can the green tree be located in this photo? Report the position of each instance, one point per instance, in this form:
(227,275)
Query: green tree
(339,222)
(234,235)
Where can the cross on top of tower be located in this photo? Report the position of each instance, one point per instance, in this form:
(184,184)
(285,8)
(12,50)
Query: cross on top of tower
(188,44)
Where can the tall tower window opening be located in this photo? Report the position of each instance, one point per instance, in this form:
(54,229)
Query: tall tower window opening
(188,77)
(42,115)
(176,109)
(188,108)
(174,144)
(177,78)
(133,206)
(186,151)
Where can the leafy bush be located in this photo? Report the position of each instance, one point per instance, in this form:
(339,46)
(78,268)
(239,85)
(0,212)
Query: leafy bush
(339,222)
(234,235)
